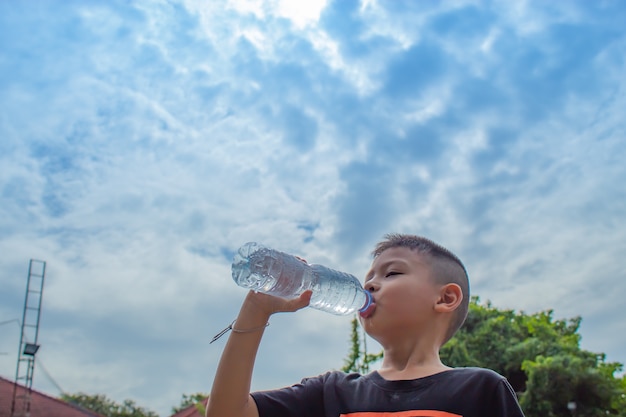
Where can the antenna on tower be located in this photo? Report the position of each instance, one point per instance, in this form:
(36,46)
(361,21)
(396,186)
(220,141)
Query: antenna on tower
(20,405)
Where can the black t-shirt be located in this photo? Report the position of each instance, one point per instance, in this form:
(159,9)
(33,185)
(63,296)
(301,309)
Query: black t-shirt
(466,392)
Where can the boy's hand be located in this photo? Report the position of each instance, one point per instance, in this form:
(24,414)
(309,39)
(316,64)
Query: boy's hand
(267,305)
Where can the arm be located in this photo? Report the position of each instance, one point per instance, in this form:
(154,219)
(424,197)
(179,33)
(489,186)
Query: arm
(230,395)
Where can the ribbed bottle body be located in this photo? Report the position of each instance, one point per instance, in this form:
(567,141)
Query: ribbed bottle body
(336,292)
(273,272)
(269,271)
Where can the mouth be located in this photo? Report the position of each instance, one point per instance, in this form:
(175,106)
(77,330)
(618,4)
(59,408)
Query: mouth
(369,310)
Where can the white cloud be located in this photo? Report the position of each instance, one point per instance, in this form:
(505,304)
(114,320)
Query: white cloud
(302,13)
(141,146)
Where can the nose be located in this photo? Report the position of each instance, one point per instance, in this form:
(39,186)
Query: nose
(371,286)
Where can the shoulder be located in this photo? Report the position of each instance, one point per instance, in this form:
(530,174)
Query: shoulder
(472,379)
(485,381)
(334,378)
(475,372)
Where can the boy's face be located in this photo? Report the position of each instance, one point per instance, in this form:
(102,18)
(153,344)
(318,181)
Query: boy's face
(405,293)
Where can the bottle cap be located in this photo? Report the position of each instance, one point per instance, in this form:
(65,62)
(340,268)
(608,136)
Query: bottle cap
(369,306)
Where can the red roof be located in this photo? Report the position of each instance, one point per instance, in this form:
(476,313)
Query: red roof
(41,405)
(190,411)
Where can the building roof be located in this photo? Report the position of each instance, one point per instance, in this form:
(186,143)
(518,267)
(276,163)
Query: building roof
(191,411)
(41,405)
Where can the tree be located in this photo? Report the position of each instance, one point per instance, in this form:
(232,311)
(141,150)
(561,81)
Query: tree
(102,405)
(542,359)
(540,356)
(198,399)
(358,359)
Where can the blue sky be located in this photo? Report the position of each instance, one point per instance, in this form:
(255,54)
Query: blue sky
(141,143)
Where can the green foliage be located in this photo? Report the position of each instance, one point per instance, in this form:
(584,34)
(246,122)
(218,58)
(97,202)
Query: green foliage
(555,381)
(619,403)
(358,359)
(502,339)
(102,405)
(542,359)
(201,408)
(197,399)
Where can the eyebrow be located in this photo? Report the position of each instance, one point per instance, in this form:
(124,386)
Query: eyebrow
(383,266)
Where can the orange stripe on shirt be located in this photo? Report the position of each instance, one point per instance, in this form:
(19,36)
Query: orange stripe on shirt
(414,413)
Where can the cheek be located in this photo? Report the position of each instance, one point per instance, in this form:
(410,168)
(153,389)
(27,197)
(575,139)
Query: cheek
(407,300)
(399,299)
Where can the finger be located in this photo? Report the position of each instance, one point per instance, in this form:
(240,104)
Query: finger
(307,294)
(300,302)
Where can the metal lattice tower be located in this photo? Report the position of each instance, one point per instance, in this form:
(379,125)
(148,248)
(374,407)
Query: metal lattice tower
(20,405)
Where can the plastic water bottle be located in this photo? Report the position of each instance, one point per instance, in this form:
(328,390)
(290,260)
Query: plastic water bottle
(272,272)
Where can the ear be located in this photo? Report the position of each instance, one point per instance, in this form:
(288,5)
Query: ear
(450,297)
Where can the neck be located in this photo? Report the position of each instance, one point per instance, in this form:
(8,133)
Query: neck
(411,362)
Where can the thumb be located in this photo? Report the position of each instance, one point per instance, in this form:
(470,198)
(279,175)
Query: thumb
(301,302)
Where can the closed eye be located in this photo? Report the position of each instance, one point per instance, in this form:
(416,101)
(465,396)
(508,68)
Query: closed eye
(391,273)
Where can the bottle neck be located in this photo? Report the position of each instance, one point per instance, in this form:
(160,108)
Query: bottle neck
(368,301)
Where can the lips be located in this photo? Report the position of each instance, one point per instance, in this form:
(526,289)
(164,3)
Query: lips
(368,311)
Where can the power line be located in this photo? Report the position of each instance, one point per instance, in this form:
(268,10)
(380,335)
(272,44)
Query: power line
(19,324)
(10,321)
(45,371)
(43,368)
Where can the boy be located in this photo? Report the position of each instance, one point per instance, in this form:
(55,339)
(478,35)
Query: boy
(421,295)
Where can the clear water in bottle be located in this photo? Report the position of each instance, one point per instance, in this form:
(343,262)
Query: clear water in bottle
(272,272)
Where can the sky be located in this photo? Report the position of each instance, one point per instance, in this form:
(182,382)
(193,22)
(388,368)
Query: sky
(143,142)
